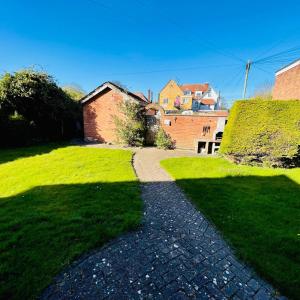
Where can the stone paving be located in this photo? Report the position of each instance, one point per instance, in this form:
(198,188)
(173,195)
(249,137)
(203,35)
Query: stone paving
(177,253)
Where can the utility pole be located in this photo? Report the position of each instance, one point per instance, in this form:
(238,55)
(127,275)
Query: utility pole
(248,66)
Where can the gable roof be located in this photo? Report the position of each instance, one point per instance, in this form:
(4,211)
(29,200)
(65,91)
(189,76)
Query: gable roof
(208,101)
(141,95)
(288,67)
(111,85)
(195,87)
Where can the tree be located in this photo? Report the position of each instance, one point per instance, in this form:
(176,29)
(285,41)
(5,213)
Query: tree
(264,91)
(36,96)
(74,92)
(130,129)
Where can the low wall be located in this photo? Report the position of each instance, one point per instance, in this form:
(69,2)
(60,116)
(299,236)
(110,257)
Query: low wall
(186,130)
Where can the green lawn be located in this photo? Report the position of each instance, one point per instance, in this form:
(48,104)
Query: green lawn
(56,204)
(256,209)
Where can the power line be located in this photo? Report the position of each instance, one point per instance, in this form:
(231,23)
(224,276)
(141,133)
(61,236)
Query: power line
(207,43)
(281,54)
(170,70)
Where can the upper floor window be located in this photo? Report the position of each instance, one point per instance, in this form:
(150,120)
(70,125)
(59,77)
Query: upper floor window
(208,94)
(185,100)
(198,93)
(166,101)
(187,92)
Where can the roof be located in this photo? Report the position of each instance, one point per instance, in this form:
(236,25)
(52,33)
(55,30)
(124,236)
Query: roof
(288,67)
(110,85)
(195,87)
(208,101)
(141,95)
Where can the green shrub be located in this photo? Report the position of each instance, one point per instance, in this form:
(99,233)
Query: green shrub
(130,130)
(263,132)
(45,108)
(163,140)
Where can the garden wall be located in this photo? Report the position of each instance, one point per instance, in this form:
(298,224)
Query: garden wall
(263,132)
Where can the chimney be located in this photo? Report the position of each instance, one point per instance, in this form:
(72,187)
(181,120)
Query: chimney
(150,95)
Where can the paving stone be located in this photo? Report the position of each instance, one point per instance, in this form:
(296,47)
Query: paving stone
(176,254)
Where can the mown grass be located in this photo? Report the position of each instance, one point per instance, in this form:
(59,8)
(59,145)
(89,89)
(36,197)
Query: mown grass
(56,205)
(256,209)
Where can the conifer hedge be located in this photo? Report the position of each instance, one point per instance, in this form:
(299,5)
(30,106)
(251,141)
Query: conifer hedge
(263,132)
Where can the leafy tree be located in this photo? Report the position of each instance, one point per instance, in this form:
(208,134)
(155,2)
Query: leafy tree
(130,129)
(36,96)
(74,92)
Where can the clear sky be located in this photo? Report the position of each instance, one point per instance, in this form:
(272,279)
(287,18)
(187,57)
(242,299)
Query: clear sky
(144,43)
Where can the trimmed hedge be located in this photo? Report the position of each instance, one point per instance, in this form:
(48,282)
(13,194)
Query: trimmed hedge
(263,132)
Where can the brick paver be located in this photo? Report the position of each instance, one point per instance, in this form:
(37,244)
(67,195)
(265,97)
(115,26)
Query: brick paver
(177,254)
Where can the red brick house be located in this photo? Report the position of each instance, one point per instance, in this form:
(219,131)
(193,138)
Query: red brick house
(100,108)
(287,82)
(199,131)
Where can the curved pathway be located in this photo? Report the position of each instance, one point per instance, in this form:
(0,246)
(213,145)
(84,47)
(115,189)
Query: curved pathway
(176,254)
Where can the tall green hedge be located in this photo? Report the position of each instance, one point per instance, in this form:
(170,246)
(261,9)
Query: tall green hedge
(263,132)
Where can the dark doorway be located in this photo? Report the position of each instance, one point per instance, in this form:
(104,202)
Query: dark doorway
(210,146)
(201,147)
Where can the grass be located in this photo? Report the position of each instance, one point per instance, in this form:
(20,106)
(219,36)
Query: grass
(56,204)
(256,209)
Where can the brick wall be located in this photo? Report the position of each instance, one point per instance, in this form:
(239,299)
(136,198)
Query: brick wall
(287,85)
(98,116)
(185,130)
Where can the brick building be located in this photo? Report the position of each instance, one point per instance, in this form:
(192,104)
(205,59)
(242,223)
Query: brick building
(287,82)
(200,131)
(100,108)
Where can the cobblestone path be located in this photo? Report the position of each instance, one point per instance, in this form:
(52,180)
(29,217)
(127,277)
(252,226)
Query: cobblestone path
(176,254)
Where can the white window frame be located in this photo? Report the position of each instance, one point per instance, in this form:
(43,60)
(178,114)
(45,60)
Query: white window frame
(187,92)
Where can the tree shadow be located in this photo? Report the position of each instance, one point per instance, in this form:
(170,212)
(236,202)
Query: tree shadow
(45,228)
(11,154)
(260,217)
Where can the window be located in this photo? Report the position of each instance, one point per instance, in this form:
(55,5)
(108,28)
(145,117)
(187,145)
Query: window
(187,92)
(166,101)
(208,94)
(198,93)
(185,100)
(205,129)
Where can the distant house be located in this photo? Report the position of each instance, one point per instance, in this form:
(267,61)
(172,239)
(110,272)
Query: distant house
(287,82)
(188,97)
(100,108)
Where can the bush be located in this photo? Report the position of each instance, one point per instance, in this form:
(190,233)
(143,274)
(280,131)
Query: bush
(42,105)
(163,140)
(263,132)
(130,129)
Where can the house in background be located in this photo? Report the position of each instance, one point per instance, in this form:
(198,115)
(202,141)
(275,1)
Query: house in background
(188,97)
(287,82)
(101,106)
(200,131)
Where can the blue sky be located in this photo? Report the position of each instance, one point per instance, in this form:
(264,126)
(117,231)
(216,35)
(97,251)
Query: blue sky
(144,43)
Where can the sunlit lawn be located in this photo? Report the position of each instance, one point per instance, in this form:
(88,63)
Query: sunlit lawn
(56,205)
(256,209)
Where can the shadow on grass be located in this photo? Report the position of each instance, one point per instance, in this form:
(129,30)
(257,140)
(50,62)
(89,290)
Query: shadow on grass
(46,228)
(11,154)
(260,217)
